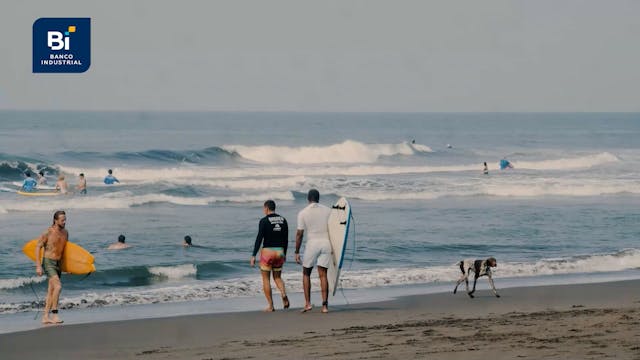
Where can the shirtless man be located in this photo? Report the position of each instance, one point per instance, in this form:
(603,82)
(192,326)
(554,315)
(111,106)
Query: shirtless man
(82,185)
(62,185)
(119,245)
(53,240)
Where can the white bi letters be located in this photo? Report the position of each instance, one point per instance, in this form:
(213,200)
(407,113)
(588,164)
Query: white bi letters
(57,41)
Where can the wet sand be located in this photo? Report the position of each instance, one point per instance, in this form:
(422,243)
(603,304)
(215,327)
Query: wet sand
(587,321)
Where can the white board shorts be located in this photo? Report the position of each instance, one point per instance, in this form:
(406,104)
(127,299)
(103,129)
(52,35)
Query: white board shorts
(317,252)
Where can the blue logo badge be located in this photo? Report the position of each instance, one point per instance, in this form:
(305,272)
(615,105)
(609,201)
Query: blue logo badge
(61,45)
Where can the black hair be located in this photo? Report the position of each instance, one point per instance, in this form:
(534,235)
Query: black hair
(313,195)
(485,163)
(187,239)
(81,174)
(121,238)
(57,214)
(28,174)
(110,171)
(270,204)
(41,172)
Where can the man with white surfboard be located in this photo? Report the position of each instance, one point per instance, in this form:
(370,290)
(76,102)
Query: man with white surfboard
(54,241)
(312,221)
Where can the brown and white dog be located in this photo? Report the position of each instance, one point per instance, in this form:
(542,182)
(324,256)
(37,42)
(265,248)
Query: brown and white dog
(479,268)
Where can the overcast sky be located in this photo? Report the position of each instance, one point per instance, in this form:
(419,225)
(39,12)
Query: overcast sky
(434,56)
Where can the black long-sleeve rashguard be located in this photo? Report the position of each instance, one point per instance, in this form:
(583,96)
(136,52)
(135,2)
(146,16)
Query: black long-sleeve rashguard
(273,229)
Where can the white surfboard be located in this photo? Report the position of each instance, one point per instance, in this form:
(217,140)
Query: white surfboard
(339,221)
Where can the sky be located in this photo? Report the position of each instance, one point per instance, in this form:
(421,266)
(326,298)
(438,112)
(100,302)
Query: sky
(351,56)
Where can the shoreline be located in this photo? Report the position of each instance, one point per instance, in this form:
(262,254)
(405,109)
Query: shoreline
(569,321)
(27,320)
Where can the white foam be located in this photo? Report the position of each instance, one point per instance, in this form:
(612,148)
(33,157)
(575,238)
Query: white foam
(564,187)
(174,272)
(512,187)
(349,151)
(624,260)
(391,195)
(204,175)
(582,162)
(350,279)
(241,183)
(19,282)
(124,199)
(208,175)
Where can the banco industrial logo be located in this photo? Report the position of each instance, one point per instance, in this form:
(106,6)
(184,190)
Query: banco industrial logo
(61,45)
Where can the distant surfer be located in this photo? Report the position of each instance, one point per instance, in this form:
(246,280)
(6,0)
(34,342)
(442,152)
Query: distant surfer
(120,244)
(82,184)
(53,240)
(449,146)
(110,179)
(313,220)
(273,236)
(61,185)
(29,183)
(505,164)
(41,179)
(486,169)
(413,141)
(187,241)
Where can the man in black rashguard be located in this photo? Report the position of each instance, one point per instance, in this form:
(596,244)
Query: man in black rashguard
(273,235)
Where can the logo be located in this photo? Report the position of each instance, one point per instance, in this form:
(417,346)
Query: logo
(61,45)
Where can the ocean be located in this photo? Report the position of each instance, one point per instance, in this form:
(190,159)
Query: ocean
(567,212)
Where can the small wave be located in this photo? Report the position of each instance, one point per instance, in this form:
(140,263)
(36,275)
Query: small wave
(212,175)
(619,261)
(207,155)
(123,200)
(582,162)
(356,279)
(575,188)
(388,195)
(622,260)
(516,188)
(239,184)
(347,152)
(174,272)
(15,170)
(6,284)
(203,175)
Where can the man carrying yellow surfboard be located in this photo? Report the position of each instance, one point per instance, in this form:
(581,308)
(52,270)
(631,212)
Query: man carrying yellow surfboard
(54,240)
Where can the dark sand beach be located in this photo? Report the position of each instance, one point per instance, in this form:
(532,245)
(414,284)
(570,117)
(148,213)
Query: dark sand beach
(586,321)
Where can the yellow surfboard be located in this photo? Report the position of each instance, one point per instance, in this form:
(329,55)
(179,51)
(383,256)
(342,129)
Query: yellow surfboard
(75,259)
(38,193)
